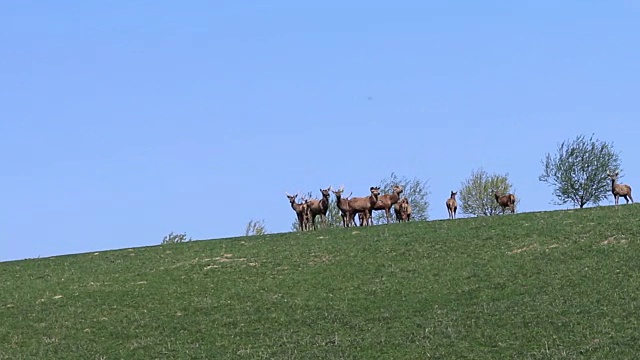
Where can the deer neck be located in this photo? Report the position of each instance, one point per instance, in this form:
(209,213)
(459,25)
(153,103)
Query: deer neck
(296,207)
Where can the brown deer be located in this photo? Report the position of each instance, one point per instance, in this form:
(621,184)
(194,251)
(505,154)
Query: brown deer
(402,210)
(360,219)
(452,205)
(505,201)
(397,210)
(343,205)
(618,190)
(302,211)
(319,207)
(405,210)
(385,202)
(363,205)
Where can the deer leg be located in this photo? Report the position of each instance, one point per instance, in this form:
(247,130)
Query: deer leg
(630,197)
(388,215)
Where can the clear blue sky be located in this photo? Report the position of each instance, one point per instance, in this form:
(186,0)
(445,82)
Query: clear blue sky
(123,121)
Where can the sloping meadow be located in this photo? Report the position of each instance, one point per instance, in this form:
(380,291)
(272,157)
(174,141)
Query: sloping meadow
(528,286)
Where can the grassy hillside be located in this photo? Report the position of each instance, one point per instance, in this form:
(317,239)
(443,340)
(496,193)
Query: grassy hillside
(527,286)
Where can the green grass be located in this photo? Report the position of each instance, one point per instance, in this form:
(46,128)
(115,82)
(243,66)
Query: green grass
(561,284)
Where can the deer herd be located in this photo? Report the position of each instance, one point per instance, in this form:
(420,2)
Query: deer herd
(307,210)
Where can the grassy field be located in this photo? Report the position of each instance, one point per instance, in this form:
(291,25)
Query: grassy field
(561,284)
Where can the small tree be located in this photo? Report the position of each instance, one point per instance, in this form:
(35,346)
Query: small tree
(416,190)
(175,238)
(477,193)
(578,171)
(333,214)
(255,227)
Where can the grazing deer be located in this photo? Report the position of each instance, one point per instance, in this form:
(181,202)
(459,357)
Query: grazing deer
(452,205)
(343,205)
(505,201)
(618,190)
(363,205)
(302,211)
(402,210)
(385,202)
(320,207)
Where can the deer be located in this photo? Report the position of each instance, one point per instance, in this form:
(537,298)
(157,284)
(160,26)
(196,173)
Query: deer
(343,205)
(405,210)
(619,190)
(360,218)
(385,202)
(301,209)
(320,207)
(452,205)
(363,205)
(505,201)
(402,210)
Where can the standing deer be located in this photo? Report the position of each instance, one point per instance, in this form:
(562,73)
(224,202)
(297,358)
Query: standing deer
(343,205)
(405,210)
(452,205)
(320,207)
(402,210)
(363,205)
(385,202)
(505,201)
(618,190)
(302,211)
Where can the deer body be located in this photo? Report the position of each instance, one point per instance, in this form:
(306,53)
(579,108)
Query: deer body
(385,202)
(343,205)
(320,207)
(363,205)
(402,210)
(619,190)
(506,201)
(452,205)
(302,211)
(405,210)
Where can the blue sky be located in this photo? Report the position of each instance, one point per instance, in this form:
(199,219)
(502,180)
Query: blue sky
(123,121)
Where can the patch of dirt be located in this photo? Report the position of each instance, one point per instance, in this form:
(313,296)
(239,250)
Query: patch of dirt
(319,258)
(613,240)
(526,248)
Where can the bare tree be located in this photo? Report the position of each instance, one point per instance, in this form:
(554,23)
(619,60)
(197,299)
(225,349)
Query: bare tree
(175,238)
(255,227)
